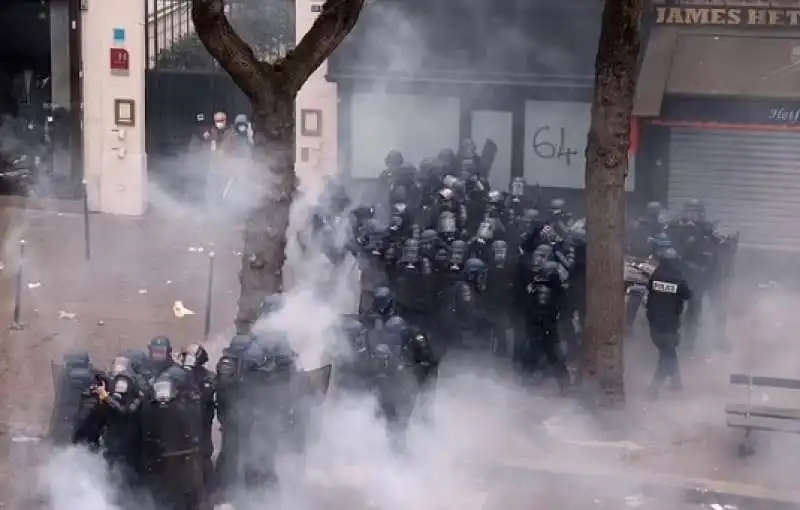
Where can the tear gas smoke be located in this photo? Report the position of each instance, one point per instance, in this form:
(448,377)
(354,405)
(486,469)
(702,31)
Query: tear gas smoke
(479,416)
(89,486)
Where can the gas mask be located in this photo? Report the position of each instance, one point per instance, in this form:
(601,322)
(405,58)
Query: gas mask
(458,251)
(447,224)
(499,252)
(485,232)
(395,223)
(517,189)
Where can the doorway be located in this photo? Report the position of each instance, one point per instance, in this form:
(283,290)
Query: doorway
(40,98)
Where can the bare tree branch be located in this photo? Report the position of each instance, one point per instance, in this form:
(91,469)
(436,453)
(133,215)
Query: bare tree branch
(234,55)
(337,19)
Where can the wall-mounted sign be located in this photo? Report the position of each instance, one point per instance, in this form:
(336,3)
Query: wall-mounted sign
(119,35)
(119,59)
(756,13)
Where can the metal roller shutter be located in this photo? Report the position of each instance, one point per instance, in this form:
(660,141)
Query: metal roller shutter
(749,181)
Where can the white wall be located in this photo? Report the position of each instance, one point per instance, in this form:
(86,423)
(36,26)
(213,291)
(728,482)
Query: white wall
(418,126)
(499,127)
(115,170)
(316,94)
(556,134)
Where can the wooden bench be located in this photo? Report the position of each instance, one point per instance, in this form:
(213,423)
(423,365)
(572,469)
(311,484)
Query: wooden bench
(750,417)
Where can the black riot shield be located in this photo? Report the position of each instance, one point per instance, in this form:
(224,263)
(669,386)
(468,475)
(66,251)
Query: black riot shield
(72,418)
(172,444)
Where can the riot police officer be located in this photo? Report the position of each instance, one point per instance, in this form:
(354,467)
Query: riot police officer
(160,356)
(544,297)
(467,318)
(668,292)
(230,388)
(500,295)
(193,359)
(73,419)
(172,420)
(693,237)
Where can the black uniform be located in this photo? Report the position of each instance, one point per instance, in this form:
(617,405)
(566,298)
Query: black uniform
(543,300)
(668,291)
(121,406)
(230,386)
(193,360)
(173,422)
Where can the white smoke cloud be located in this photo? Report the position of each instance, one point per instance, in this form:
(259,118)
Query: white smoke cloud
(75,478)
(478,414)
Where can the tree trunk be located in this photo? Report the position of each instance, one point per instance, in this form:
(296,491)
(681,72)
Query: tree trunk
(264,251)
(616,69)
(272,89)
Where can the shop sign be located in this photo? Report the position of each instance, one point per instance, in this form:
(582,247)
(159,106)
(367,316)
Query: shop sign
(755,13)
(729,111)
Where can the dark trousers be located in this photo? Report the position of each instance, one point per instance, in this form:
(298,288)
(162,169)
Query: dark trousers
(544,341)
(632,305)
(694,312)
(666,341)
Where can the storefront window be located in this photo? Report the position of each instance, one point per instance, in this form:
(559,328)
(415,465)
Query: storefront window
(418,126)
(556,134)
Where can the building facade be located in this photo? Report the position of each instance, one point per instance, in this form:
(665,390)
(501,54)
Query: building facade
(719,103)
(113,105)
(420,76)
(316,111)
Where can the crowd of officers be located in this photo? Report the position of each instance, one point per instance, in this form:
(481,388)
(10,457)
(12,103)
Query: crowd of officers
(491,270)
(447,263)
(151,415)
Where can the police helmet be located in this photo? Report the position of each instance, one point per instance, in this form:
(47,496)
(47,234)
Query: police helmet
(654,208)
(240,343)
(668,254)
(383,299)
(557,205)
(160,348)
(394,158)
(474,269)
(396,325)
(138,358)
